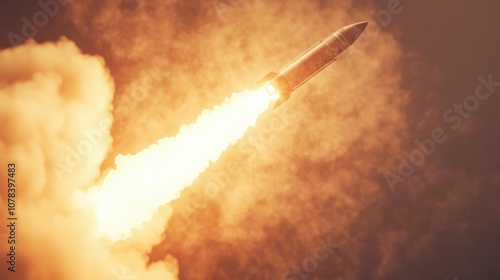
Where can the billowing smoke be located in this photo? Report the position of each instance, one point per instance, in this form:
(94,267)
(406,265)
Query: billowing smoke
(55,113)
(307,171)
(302,196)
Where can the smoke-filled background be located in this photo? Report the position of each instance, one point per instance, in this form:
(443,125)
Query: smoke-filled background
(338,183)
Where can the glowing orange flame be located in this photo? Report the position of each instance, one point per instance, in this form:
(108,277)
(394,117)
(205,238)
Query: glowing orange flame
(130,194)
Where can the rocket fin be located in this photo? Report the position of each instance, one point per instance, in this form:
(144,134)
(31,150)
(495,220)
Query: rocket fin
(284,97)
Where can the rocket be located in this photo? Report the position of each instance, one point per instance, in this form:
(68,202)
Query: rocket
(281,85)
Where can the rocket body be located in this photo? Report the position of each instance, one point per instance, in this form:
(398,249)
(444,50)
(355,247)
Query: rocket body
(280,85)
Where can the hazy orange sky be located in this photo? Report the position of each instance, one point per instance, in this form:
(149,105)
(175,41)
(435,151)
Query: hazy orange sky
(386,163)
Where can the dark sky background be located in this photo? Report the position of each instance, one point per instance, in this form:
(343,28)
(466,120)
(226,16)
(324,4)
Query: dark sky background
(320,172)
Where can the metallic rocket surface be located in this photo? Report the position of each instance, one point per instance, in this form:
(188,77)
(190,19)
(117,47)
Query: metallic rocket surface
(280,85)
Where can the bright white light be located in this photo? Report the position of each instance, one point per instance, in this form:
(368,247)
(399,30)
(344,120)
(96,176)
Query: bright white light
(275,95)
(130,194)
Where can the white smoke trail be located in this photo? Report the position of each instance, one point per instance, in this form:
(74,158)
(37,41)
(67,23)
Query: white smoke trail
(130,194)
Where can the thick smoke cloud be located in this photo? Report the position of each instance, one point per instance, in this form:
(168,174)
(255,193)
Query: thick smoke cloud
(55,112)
(51,96)
(304,195)
(307,173)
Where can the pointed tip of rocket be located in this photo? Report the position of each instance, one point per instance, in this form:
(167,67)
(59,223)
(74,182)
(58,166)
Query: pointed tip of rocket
(352,32)
(362,25)
(359,25)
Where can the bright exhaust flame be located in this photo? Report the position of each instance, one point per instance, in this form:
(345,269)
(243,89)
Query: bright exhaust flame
(131,193)
(271,90)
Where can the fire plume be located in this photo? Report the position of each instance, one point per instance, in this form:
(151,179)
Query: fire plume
(130,194)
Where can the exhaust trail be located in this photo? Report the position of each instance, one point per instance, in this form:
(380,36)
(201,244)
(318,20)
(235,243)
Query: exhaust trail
(130,194)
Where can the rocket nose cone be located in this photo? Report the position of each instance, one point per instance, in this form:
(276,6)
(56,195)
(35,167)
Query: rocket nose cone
(353,31)
(361,25)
